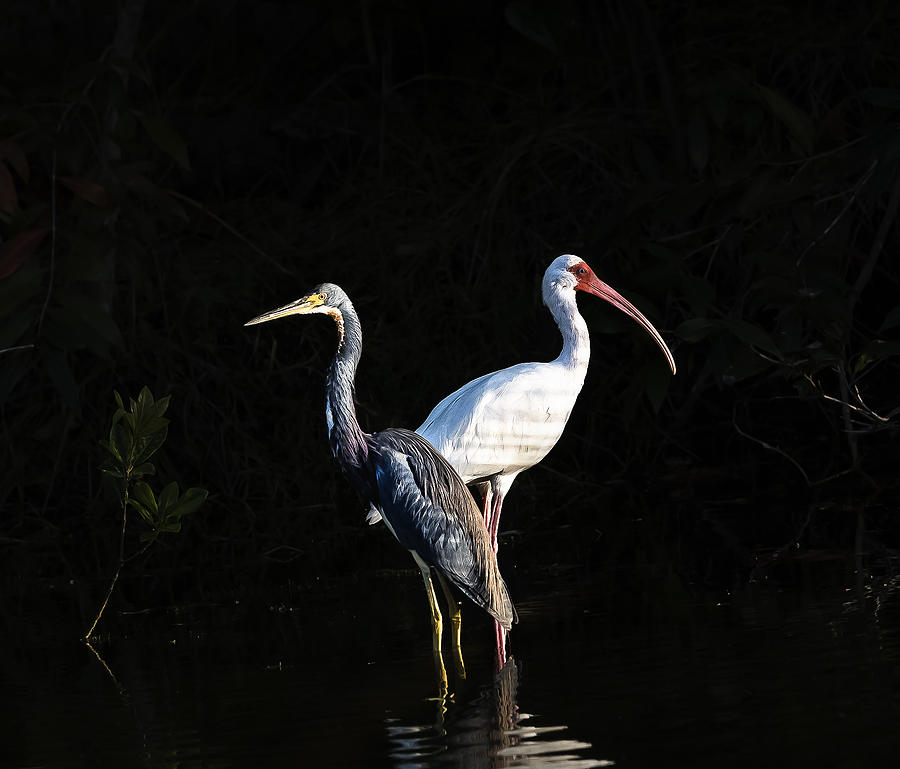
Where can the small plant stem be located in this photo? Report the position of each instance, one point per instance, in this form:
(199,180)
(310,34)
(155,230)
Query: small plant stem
(115,578)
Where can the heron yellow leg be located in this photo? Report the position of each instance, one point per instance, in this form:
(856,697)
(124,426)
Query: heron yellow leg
(436,621)
(455,624)
(436,625)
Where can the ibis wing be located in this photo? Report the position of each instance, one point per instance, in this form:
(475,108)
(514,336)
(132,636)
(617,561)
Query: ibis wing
(504,422)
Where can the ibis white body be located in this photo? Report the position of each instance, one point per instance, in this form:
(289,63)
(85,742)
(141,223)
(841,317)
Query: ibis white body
(502,423)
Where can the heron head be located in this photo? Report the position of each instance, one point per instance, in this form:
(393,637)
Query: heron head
(326,298)
(571,272)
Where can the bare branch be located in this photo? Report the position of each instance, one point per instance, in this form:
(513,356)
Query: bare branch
(770,447)
(18,347)
(830,227)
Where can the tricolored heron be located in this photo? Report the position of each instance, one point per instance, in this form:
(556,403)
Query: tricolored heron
(502,423)
(421,498)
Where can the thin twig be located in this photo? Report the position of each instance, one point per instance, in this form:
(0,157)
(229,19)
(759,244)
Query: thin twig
(776,554)
(887,220)
(18,347)
(841,213)
(818,156)
(59,129)
(52,237)
(222,223)
(862,409)
(109,591)
(105,666)
(115,578)
(770,447)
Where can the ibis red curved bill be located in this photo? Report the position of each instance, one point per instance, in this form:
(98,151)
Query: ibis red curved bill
(589,282)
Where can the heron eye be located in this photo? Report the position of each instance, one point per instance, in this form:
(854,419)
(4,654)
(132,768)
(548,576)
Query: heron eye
(582,271)
(322,297)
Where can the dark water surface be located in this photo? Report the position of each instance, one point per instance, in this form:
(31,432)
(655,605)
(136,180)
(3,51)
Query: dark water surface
(623,670)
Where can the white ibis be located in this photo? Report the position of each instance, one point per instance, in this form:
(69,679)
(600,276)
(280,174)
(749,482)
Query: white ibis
(502,423)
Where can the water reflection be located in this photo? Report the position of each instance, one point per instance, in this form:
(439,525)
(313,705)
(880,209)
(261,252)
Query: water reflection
(640,672)
(486,730)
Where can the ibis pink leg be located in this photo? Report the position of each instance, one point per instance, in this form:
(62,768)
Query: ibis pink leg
(493,501)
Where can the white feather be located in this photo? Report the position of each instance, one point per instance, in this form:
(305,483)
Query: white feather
(507,421)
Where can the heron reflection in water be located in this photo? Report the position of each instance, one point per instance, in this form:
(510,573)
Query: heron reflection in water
(421,498)
(484,727)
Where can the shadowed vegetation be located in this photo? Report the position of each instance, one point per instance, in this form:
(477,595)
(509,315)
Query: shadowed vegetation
(732,169)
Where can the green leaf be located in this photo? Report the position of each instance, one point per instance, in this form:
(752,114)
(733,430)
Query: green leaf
(17,249)
(150,193)
(165,137)
(162,404)
(112,450)
(146,468)
(100,328)
(167,499)
(145,398)
(149,421)
(143,511)
(148,413)
(753,335)
(144,501)
(147,445)
(881,97)
(879,349)
(86,189)
(696,329)
(121,442)
(892,319)
(798,123)
(532,20)
(189,502)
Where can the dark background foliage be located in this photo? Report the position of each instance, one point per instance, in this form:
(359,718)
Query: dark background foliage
(168,171)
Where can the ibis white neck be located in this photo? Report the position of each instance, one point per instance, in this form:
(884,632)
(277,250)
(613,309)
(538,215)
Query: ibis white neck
(576,351)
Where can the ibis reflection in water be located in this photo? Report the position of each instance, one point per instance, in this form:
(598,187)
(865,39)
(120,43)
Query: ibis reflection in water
(421,498)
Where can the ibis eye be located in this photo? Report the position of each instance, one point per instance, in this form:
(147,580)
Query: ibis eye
(582,271)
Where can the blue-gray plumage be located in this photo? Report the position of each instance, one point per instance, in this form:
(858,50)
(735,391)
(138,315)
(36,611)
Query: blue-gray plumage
(432,513)
(423,500)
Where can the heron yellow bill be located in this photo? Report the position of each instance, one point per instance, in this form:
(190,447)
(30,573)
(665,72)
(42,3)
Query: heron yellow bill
(311,303)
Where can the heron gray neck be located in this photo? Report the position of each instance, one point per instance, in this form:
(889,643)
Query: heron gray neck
(576,351)
(346,437)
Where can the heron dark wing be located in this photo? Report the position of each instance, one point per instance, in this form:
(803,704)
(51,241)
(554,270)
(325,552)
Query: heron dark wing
(430,511)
